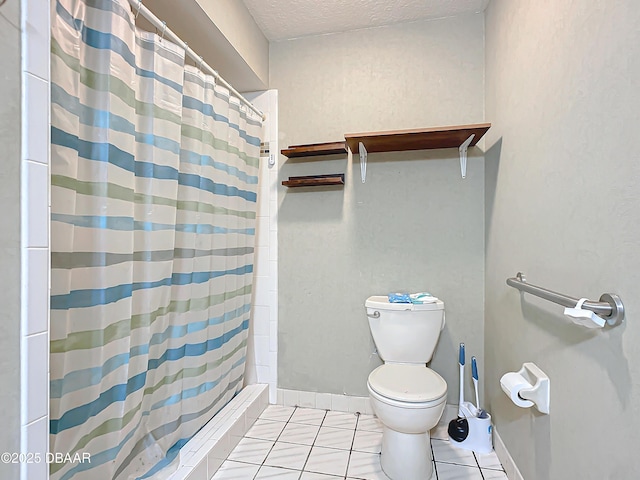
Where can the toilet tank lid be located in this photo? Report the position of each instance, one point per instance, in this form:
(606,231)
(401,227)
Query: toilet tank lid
(407,383)
(381,302)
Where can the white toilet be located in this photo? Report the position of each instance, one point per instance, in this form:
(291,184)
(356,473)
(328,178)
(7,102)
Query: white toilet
(407,396)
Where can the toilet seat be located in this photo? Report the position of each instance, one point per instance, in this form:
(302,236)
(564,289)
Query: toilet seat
(407,383)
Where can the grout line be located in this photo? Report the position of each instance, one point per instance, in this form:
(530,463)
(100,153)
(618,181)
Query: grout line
(355,429)
(265,458)
(314,442)
(274,442)
(478,463)
(433,458)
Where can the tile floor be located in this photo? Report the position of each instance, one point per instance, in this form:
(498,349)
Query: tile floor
(294,443)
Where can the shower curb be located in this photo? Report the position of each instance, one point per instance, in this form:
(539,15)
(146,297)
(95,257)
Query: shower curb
(201,456)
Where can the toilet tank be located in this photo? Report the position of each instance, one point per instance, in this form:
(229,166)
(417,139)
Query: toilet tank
(405,332)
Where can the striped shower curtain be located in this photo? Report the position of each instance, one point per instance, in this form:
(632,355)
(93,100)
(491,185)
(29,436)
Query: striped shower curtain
(153,206)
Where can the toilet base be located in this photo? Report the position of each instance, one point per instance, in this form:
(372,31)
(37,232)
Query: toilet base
(406,456)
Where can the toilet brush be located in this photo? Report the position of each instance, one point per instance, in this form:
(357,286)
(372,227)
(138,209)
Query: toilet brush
(459,427)
(474,373)
(465,409)
(461,361)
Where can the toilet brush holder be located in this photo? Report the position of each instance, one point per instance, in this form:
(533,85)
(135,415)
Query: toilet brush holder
(479,437)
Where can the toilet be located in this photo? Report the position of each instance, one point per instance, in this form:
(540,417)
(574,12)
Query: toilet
(407,397)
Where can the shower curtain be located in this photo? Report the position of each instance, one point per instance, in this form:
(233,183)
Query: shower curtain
(153,206)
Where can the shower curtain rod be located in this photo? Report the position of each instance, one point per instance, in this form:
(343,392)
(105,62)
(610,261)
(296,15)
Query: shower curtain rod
(160,25)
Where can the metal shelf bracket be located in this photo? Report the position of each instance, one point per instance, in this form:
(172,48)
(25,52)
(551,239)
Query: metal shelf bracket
(463,155)
(363,161)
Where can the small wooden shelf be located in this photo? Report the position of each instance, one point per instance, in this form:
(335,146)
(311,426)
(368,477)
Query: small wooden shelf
(315,180)
(417,139)
(315,149)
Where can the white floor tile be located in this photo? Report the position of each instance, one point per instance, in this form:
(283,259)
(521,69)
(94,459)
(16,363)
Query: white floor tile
(327,460)
(489,474)
(366,466)
(277,412)
(489,460)
(449,471)
(251,450)
(266,429)
(335,438)
(340,420)
(299,433)
(275,473)
(287,455)
(443,451)
(308,416)
(330,458)
(366,441)
(370,423)
(318,476)
(235,470)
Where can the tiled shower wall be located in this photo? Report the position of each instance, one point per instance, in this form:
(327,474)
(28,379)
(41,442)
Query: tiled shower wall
(262,364)
(35,209)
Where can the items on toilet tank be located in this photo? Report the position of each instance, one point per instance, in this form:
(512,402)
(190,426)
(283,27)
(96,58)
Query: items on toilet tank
(472,430)
(415,298)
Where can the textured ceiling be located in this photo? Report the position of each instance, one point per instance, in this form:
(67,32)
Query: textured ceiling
(284,19)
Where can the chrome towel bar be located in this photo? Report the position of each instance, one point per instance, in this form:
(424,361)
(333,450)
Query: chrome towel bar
(609,307)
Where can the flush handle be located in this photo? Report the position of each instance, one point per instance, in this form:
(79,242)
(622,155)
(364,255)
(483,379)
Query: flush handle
(375,314)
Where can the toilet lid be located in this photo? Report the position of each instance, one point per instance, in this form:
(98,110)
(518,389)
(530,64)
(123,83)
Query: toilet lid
(407,383)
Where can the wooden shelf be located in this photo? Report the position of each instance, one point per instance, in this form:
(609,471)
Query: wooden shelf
(454,136)
(417,139)
(315,149)
(315,180)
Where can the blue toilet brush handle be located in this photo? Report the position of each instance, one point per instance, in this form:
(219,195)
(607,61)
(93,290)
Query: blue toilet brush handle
(461,364)
(474,374)
(474,368)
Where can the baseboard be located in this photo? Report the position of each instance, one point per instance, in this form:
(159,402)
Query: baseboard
(324,401)
(510,467)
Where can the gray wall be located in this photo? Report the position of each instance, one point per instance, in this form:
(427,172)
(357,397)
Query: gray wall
(563,206)
(10,69)
(415,225)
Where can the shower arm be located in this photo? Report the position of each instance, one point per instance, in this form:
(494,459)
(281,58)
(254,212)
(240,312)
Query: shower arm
(610,306)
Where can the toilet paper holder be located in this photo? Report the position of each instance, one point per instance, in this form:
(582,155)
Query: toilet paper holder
(530,384)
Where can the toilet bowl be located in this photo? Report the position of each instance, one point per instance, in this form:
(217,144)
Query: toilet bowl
(409,401)
(407,397)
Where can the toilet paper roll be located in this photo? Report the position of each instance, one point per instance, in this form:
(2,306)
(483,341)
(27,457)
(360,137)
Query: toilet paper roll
(512,383)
